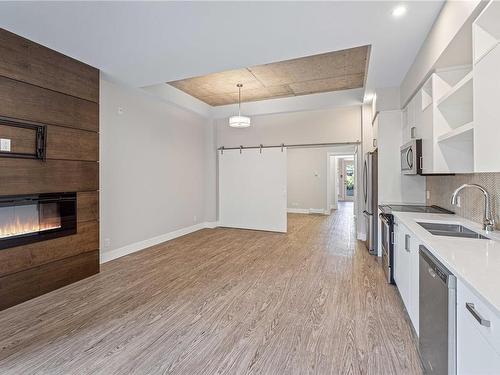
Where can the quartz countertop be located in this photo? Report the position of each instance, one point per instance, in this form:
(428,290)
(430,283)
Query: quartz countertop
(476,262)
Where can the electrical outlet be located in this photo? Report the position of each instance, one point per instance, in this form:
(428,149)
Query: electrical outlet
(428,194)
(107,242)
(5,144)
(459,203)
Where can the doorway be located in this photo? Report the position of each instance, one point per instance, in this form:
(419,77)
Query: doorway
(342,178)
(346,179)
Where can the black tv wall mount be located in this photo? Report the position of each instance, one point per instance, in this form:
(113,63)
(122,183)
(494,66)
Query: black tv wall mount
(39,147)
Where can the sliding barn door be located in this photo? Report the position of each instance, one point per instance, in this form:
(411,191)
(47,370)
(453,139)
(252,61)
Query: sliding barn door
(252,189)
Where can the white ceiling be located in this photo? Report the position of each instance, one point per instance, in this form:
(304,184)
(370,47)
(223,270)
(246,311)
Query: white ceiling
(148,43)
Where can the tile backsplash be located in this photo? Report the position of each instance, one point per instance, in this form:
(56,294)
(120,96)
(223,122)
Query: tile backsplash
(472,201)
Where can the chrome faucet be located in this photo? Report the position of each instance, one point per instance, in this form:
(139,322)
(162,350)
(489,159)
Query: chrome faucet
(488,221)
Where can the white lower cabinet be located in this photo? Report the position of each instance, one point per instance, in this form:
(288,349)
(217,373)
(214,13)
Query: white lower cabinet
(478,326)
(478,335)
(406,270)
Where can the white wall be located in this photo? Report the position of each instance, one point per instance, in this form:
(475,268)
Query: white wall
(157,169)
(323,126)
(388,99)
(307,177)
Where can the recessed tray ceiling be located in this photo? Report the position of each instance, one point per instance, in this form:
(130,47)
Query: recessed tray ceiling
(332,71)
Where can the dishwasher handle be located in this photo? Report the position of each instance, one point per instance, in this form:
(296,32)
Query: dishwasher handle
(472,309)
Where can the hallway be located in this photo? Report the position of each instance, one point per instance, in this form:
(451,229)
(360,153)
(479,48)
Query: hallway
(222,301)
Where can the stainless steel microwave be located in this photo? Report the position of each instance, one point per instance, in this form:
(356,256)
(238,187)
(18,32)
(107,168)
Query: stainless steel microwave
(411,157)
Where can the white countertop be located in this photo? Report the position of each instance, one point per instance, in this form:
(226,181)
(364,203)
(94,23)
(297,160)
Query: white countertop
(474,261)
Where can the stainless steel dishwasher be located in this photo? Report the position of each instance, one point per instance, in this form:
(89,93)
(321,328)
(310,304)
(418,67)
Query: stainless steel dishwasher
(437,315)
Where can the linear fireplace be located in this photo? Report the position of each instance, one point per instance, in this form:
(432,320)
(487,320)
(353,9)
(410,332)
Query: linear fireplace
(31,218)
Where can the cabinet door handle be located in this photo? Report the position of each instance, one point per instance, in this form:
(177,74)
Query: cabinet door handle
(470,306)
(407,242)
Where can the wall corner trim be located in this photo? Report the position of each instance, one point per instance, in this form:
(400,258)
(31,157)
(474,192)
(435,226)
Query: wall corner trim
(141,245)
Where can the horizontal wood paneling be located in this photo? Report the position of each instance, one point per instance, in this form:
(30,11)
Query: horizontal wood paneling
(30,62)
(62,143)
(43,86)
(72,144)
(25,176)
(88,206)
(24,285)
(27,102)
(20,258)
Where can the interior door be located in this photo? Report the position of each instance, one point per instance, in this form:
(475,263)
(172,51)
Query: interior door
(348,172)
(252,189)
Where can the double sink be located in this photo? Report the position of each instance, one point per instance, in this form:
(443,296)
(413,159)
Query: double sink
(451,230)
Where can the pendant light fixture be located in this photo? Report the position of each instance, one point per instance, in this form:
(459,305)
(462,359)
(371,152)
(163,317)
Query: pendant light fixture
(239,121)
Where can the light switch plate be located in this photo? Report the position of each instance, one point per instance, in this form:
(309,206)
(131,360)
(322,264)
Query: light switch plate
(4,144)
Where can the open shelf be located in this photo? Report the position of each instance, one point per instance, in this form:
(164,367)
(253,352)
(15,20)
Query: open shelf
(456,105)
(486,31)
(463,133)
(459,94)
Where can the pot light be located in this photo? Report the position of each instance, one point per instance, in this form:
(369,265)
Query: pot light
(239,121)
(399,11)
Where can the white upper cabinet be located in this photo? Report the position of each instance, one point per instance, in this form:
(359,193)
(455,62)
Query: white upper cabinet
(456,112)
(453,120)
(410,119)
(442,113)
(486,87)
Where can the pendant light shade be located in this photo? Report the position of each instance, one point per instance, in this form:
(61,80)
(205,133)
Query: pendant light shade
(239,121)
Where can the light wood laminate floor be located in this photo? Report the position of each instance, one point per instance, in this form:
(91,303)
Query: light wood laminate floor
(222,301)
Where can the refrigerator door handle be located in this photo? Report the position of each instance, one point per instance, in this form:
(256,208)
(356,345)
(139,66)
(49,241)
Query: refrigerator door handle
(365,182)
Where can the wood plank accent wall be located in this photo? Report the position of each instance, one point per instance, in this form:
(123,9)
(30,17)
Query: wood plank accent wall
(41,85)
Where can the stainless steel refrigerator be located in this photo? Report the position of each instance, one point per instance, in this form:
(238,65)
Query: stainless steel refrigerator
(370,201)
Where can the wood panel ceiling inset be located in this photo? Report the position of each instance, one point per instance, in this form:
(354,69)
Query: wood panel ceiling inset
(332,71)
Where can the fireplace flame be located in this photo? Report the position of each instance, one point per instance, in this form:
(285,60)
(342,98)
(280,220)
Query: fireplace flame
(32,225)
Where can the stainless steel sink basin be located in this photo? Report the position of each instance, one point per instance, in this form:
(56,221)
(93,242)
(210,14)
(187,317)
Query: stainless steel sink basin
(451,230)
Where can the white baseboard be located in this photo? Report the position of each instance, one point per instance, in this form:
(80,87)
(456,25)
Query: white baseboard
(132,248)
(308,211)
(297,210)
(211,224)
(318,211)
